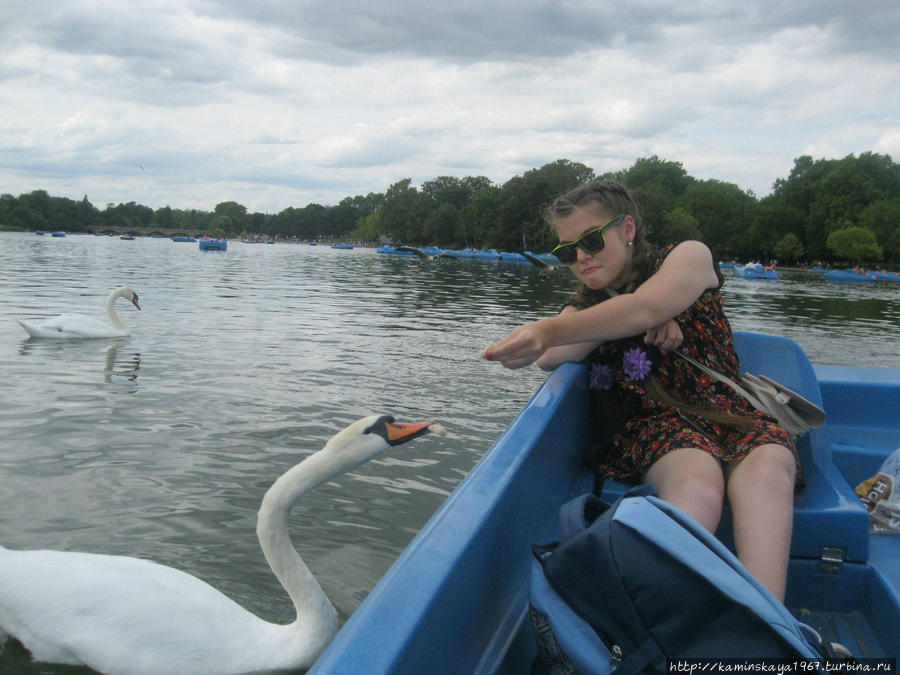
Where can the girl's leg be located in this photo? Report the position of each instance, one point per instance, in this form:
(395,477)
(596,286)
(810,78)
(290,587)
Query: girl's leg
(692,480)
(761,494)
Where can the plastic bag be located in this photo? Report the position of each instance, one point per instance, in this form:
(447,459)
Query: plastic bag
(881,496)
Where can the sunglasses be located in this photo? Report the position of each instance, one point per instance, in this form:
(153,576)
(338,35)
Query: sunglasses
(590,242)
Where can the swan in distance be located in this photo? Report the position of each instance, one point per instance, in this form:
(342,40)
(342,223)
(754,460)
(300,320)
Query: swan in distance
(544,266)
(118,614)
(78,326)
(425,256)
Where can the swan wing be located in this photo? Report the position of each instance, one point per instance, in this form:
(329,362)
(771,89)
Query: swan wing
(72,326)
(123,614)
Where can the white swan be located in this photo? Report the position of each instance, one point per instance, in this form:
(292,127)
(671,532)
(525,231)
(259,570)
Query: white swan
(118,614)
(78,326)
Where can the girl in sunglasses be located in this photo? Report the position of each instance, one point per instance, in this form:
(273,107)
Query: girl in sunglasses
(669,423)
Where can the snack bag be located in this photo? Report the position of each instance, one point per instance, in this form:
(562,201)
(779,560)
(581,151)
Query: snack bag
(881,496)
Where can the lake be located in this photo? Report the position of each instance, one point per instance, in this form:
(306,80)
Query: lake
(161,445)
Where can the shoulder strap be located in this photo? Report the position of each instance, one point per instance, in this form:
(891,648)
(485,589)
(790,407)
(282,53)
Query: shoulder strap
(576,515)
(755,402)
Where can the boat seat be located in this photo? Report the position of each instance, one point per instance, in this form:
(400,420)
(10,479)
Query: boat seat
(827,514)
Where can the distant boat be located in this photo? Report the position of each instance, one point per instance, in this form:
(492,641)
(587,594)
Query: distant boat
(754,272)
(40,232)
(207,244)
(127,237)
(190,239)
(886,275)
(58,233)
(342,246)
(847,275)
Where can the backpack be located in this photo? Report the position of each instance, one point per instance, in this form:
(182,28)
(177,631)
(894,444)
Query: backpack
(639,581)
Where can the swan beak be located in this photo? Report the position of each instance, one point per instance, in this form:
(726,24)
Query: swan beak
(400,432)
(134,301)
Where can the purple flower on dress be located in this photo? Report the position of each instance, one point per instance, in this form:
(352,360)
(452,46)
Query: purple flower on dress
(636,364)
(602,377)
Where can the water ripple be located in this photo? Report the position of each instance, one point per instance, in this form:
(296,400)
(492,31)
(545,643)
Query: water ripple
(162,444)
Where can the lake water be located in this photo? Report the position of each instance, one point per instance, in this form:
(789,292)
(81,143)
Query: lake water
(162,444)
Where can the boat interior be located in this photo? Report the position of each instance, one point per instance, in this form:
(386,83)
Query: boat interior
(458,595)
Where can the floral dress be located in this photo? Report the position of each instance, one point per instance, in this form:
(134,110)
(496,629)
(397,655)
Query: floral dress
(640,429)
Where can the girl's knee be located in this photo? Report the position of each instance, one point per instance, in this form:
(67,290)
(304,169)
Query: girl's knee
(693,483)
(768,467)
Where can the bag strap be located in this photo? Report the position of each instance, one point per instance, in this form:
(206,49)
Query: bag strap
(755,402)
(576,515)
(709,371)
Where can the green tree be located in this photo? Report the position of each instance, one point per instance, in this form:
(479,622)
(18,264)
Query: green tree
(856,244)
(678,225)
(883,218)
(789,248)
(654,184)
(164,218)
(441,225)
(368,228)
(404,211)
(724,213)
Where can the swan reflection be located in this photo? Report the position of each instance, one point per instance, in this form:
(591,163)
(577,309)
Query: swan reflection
(127,367)
(118,365)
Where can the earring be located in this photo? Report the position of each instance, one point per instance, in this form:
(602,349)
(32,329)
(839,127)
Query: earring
(630,243)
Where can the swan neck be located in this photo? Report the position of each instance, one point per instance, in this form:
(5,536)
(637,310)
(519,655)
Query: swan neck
(310,601)
(111,312)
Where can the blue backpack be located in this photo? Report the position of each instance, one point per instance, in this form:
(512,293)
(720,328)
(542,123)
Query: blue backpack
(637,582)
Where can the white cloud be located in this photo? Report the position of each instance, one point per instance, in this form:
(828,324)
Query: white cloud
(278,104)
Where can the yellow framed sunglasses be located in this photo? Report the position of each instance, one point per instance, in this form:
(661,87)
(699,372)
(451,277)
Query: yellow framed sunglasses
(590,242)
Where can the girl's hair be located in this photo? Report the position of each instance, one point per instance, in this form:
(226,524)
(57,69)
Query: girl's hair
(613,199)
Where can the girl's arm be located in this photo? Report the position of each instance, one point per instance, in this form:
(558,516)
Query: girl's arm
(554,356)
(683,276)
(666,337)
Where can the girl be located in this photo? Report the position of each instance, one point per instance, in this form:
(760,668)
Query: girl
(694,438)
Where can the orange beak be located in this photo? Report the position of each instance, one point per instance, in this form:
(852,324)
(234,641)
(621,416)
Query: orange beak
(400,432)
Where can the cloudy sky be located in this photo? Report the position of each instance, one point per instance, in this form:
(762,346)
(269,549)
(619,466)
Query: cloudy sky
(277,103)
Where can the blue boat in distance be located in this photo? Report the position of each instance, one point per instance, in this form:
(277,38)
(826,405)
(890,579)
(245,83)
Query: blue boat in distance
(848,276)
(207,244)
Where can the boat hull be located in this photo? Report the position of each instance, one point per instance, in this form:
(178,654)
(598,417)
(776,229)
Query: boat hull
(456,600)
(213,245)
(846,276)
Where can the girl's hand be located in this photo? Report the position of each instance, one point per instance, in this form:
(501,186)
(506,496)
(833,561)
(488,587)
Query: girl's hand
(666,336)
(521,347)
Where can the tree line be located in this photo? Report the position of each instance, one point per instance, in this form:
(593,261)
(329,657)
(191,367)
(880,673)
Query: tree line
(832,210)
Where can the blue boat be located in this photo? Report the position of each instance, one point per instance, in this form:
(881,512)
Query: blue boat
(758,272)
(848,276)
(342,247)
(58,233)
(888,276)
(456,600)
(184,239)
(207,244)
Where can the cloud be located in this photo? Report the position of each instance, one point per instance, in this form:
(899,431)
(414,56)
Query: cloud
(289,103)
